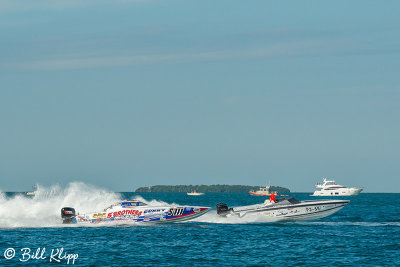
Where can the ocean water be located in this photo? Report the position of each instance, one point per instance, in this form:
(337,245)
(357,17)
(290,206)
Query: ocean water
(364,233)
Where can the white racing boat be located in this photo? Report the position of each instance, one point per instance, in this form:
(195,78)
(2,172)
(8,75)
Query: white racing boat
(285,210)
(135,211)
(194,193)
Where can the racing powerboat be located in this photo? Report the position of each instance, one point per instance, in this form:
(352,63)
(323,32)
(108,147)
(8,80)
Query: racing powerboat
(135,211)
(285,210)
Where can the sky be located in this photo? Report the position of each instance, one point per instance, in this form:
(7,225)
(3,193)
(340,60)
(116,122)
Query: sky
(133,93)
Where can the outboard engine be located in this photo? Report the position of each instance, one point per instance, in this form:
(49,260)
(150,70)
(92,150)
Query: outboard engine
(222,209)
(68,215)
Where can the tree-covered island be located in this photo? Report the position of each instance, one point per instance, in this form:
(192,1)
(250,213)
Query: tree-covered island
(207,188)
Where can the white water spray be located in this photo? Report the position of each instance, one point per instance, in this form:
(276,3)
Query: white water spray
(43,209)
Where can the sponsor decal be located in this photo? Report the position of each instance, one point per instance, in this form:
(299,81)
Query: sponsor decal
(83,219)
(175,211)
(153,210)
(99,215)
(99,220)
(123,212)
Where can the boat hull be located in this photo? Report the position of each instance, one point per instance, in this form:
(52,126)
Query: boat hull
(339,192)
(262,194)
(147,214)
(302,211)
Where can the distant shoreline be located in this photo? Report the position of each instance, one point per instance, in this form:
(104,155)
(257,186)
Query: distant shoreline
(207,188)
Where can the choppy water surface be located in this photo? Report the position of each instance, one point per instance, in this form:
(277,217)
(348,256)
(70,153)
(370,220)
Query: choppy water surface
(365,232)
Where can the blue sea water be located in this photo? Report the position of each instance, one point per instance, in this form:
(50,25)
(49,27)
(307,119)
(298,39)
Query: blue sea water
(364,233)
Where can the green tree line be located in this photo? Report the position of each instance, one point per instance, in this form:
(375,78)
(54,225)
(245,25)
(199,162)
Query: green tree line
(207,188)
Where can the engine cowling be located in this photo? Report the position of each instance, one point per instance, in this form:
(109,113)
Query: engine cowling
(222,209)
(68,215)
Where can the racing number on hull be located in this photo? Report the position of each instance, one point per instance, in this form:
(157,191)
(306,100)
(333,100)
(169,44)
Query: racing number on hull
(312,209)
(175,211)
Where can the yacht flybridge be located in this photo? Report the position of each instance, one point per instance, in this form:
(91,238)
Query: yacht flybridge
(331,188)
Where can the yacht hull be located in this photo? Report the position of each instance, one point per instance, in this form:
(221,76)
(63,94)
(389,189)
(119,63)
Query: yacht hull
(331,188)
(339,192)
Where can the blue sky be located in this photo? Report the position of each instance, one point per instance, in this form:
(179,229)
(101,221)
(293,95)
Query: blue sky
(136,93)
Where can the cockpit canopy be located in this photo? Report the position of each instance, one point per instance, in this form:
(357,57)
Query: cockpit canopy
(132,203)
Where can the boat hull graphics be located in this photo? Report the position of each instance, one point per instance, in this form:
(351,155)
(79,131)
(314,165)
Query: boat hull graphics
(287,212)
(126,213)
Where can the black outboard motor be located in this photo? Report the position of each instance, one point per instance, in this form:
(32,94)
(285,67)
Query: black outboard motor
(222,209)
(68,215)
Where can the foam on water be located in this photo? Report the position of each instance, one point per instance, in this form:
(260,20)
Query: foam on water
(152,202)
(347,223)
(213,217)
(43,209)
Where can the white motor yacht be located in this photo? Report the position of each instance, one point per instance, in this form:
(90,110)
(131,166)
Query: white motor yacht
(331,188)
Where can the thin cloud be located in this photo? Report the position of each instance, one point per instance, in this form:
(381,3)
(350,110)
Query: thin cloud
(293,49)
(29,5)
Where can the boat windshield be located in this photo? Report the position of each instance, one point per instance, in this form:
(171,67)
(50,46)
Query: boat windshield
(334,187)
(133,203)
(290,200)
(330,183)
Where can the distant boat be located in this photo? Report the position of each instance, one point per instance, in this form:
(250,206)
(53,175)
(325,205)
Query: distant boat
(33,192)
(331,188)
(264,191)
(194,193)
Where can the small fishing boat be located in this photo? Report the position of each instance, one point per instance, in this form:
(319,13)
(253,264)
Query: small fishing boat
(263,191)
(194,193)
